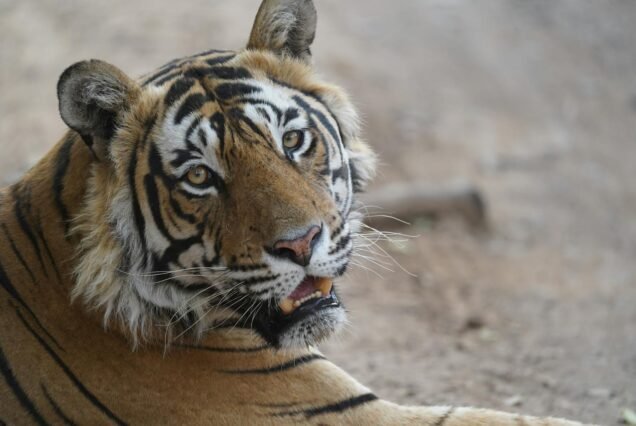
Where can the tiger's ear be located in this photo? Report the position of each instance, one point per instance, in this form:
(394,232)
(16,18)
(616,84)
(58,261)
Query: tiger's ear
(93,96)
(286,27)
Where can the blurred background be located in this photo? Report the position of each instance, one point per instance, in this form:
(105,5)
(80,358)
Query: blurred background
(532,102)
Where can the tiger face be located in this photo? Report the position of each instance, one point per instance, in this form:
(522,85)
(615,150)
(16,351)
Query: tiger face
(227,180)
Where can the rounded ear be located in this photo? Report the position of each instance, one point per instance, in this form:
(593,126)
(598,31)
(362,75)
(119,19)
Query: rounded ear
(93,95)
(286,27)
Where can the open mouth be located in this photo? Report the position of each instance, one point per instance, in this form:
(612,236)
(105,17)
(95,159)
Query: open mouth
(310,290)
(310,297)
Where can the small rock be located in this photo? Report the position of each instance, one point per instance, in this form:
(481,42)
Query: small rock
(629,417)
(487,335)
(473,323)
(600,393)
(513,401)
(548,382)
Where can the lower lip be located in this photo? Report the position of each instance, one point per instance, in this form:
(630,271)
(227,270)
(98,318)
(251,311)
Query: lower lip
(308,308)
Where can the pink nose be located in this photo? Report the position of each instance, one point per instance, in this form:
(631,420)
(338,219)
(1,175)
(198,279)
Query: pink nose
(300,249)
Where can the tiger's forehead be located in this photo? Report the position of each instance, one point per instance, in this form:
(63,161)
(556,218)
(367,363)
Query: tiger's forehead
(208,94)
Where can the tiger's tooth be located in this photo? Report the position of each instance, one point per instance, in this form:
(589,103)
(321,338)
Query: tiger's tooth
(297,303)
(324,286)
(286,306)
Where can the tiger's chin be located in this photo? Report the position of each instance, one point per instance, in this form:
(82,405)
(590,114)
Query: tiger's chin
(308,316)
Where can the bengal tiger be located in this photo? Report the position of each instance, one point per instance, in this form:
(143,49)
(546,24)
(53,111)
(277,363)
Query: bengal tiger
(172,259)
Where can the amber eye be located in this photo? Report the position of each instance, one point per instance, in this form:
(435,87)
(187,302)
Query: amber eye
(198,175)
(293,139)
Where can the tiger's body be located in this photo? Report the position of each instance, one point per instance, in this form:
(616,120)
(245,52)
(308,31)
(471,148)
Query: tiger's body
(166,248)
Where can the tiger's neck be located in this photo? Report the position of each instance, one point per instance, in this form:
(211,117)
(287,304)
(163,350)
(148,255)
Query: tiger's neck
(36,215)
(36,248)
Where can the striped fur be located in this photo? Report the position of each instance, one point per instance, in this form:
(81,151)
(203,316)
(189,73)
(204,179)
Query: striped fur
(104,244)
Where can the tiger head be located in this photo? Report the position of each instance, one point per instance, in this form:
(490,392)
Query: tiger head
(223,188)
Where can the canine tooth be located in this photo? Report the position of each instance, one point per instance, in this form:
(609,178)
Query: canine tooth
(324,286)
(297,303)
(286,306)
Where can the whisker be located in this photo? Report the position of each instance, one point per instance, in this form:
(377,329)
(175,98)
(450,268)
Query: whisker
(358,265)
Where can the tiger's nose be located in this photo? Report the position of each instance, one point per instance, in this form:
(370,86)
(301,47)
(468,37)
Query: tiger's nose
(298,250)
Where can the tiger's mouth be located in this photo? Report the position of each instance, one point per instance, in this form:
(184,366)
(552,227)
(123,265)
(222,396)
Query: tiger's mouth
(306,304)
(308,292)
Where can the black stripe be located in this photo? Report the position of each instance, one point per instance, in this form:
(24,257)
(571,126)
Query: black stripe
(219,60)
(162,71)
(259,280)
(341,244)
(177,90)
(290,114)
(21,203)
(336,407)
(61,167)
(66,419)
(252,101)
(335,134)
(209,52)
(340,406)
(150,186)
(337,231)
(217,121)
(140,223)
(296,362)
(6,284)
(168,77)
(176,208)
(80,386)
(340,272)
(19,393)
(203,139)
(309,152)
(189,105)
(246,268)
(215,180)
(239,117)
(49,254)
(17,253)
(226,91)
(264,114)
(339,173)
(230,73)
(356,179)
(321,117)
(192,128)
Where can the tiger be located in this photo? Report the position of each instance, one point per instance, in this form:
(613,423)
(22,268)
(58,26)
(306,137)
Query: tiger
(174,258)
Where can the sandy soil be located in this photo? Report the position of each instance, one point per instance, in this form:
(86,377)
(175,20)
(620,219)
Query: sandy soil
(535,102)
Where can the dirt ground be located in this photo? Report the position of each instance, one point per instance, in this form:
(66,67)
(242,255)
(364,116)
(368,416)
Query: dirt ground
(533,101)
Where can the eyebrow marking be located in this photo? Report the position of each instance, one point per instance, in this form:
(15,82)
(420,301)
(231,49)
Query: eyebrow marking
(263,112)
(290,114)
(191,104)
(202,137)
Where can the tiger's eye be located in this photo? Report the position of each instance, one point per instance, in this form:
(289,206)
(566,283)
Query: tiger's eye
(293,139)
(197,175)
